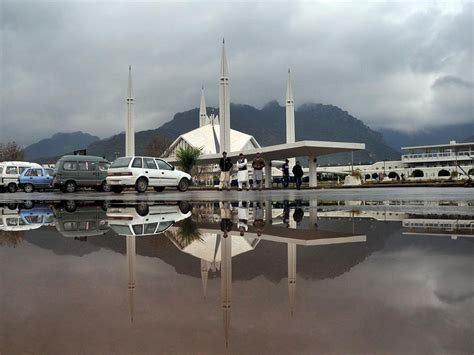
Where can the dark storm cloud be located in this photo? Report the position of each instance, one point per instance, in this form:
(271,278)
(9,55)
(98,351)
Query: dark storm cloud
(64,64)
(449,80)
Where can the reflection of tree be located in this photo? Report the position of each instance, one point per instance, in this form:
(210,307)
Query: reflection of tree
(187,232)
(10,239)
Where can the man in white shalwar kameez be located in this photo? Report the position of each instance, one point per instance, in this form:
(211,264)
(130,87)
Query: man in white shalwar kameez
(243,214)
(243,173)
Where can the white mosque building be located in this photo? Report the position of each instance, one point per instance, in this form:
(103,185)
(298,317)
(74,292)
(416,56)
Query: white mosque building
(215,136)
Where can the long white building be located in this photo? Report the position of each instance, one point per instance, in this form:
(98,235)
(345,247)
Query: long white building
(424,162)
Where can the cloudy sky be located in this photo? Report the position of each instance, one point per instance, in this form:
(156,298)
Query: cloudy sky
(402,65)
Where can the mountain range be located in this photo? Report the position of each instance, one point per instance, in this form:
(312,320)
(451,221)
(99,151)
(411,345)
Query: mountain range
(439,135)
(267,125)
(59,144)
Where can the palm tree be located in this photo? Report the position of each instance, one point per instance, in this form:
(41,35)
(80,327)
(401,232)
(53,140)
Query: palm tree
(188,157)
(188,232)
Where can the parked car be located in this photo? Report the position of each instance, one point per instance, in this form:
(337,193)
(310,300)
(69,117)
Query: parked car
(10,172)
(142,172)
(75,171)
(35,179)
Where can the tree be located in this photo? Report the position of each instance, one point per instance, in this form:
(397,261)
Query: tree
(188,157)
(11,151)
(157,145)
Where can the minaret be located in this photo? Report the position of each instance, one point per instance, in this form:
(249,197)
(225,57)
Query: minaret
(224,104)
(226,283)
(290,116)
(130,126)
(291,275)
(202,110)
(131,261)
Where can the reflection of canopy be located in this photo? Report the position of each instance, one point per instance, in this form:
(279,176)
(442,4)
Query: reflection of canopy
(291,235)
(209,247)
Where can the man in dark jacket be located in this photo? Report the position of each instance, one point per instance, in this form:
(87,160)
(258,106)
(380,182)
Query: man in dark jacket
(285,168)
(298,173)
(225,164)
(258,164)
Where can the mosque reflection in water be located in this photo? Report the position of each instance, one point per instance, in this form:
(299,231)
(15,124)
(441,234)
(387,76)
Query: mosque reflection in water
(217,232)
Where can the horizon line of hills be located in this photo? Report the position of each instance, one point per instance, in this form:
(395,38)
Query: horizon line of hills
(267,125)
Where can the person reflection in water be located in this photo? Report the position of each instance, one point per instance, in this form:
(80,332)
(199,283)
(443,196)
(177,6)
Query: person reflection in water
(298,216)
(243,214)
(258,221)
(286,213)
(226,223)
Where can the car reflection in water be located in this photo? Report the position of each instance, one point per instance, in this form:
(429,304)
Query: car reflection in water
(17,217)
(144,219)
(80,220)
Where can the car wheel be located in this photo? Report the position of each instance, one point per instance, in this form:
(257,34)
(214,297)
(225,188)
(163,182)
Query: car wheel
(70,205)
(105,187)
(12,206)
(141,185)
(106,205)
(70,186)
(28,204)
(183,184)
(159,188)
(12,188)
(116,189)
(184,206)
(29,188)
(142,209)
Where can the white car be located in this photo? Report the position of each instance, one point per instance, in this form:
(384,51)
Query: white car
(144,219)
(142,172)
(10,172)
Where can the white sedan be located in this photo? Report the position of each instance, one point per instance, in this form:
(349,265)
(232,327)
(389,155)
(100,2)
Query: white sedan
(144,172)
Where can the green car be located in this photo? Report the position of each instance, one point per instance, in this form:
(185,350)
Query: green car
(74,171)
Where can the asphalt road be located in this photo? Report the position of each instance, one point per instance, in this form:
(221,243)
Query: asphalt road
(374,194)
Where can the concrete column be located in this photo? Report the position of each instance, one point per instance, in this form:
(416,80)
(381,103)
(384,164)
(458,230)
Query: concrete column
(268,175)
(313,213)
(313,181)
(268,212)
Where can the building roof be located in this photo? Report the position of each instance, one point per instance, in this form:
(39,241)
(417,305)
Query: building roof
(448,145)
(207,137)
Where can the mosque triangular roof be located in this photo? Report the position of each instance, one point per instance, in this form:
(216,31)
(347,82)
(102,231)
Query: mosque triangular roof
(207,137)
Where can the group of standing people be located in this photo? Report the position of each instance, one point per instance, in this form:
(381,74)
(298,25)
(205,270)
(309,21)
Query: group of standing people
(258,164)
(297,173)
(225,164)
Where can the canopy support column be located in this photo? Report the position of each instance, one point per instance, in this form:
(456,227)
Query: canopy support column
(268,175)
(313,181)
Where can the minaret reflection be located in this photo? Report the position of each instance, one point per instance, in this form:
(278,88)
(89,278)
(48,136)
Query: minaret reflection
(291,275)
(226,283)
(131,262)
(226,267)
(204,275)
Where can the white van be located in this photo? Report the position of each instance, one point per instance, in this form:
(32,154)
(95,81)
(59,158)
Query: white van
(10,172)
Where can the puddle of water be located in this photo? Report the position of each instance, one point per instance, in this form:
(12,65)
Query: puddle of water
(244,276)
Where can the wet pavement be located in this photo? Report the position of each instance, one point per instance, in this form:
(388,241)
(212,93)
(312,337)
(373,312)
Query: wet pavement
(319,272)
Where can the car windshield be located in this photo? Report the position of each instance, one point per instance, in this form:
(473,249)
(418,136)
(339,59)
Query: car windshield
(120,163)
